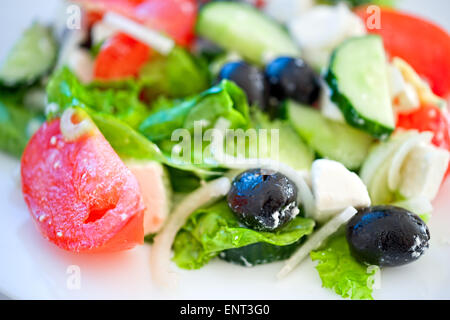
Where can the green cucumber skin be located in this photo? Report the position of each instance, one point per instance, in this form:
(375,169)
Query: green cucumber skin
(329,139)
(259,253)
(351,115)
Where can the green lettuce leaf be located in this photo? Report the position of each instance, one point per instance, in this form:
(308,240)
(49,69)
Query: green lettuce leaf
(116,109)
(17,121)
(120,99)
(224,100)
(17,124)
(177,75)
(340,272)
(216,228)
(130,144)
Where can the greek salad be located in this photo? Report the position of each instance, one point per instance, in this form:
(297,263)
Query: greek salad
(121,114)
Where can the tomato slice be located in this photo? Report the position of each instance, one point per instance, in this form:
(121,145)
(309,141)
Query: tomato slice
(428,118)
(81,195)
(121,56)
(176,18)
(424,45)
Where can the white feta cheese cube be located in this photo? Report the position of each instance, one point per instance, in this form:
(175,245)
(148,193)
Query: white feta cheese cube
(336,188)
(423,171)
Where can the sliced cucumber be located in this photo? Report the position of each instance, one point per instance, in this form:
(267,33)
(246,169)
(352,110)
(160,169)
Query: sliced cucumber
(30,58)
(259,253)
(241,28)
(358,80)
(291,148)
(330,139)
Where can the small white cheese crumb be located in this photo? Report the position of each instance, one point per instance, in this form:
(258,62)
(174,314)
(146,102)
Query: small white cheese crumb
(59,234)
(276,218)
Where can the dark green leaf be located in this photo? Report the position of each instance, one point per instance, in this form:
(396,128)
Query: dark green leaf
(216,228)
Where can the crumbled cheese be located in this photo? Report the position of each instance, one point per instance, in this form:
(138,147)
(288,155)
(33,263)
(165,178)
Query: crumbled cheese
(321,29)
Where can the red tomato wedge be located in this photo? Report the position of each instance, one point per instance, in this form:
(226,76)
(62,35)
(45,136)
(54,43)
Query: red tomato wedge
(81,195)
(120,57)
(176,18)
(428,118)
(424,45)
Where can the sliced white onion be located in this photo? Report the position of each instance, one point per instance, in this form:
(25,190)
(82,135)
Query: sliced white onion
(382,154)
(161,249)
(72,131)
(400,155)
(154,39)
(316,240)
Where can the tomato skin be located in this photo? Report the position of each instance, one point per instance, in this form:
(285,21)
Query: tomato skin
(425,46)
(80,194)
(120,57)
(428,118)
(176,18)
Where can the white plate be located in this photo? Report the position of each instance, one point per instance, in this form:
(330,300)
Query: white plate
(32,268)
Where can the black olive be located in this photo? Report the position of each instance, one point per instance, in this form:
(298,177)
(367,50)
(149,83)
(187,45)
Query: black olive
(263,200)
(387,236)
(207,49)
(248,78)
(292,78)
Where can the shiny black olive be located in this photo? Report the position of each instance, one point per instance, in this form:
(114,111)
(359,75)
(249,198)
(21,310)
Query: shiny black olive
(248,78)
(387,236)
(263,200)
(292,78)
